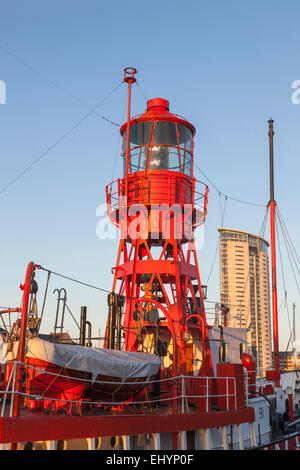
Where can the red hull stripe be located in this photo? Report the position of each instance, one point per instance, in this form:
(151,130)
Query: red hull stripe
(44,428)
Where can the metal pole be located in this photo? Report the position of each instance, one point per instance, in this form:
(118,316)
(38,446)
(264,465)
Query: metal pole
(291,407)
(82,326)
(22,340)
(89,341)
(111,300)
(271,134)
(22,343)
(272,205)
(120,303)
(129,73)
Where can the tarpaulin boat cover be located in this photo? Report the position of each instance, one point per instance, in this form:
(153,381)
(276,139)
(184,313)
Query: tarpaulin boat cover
(108,362)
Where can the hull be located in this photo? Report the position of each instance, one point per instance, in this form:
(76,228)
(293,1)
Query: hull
(100,411)
(139,433)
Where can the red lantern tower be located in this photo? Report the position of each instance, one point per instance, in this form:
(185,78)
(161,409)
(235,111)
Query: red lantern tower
(157,205)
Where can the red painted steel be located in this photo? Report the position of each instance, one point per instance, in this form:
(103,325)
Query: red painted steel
(129,73)
(249,363)
(39,427)
(156,206)
(19,381)
(291,407)
(272,207)
(157,210)
(235,387)
(274,295)
(150,199)
(56,386)
(22,340)
(158,109)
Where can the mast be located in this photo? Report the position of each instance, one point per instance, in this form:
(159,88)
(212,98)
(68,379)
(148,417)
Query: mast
(129,78)
(272,206)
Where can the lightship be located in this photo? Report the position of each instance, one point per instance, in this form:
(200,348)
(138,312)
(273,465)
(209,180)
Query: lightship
(165,379)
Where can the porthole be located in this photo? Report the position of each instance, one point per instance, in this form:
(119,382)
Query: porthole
(60,445)
(28,446)
(113,442)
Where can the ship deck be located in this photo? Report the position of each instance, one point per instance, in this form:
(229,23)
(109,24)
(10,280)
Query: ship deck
(34,425)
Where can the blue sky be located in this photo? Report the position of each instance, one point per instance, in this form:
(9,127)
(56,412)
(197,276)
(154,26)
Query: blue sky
(227,66)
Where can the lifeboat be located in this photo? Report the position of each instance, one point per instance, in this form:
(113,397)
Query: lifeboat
(57,374)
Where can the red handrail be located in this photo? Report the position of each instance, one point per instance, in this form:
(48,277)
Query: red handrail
(22,339)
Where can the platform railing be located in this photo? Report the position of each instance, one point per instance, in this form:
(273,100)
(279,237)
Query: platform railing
(261,382)
(147,190)
(205,392)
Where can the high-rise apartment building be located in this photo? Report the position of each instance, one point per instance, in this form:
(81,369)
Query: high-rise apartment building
(244,289)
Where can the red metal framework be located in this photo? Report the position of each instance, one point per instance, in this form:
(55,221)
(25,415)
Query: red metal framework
(157,205)
(37,428)
(21,348)
(152,188)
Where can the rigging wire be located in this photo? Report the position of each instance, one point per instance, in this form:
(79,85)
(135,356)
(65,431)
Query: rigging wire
(143,94)
(119,142)
(214,259)
(44,300)
(59,140)
(264,224)
(289,254)
(72,316)
(288,248)
(226,195)
(75,280)
(283,280)
(100,288)
(283,223)
(290,243)
(62,89)
(76,125)
(222,211)
(292,256)
(262,230)
(51,82)
(218,239)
